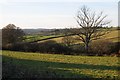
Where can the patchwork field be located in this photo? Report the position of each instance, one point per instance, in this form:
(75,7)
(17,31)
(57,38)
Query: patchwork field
(22,65)
(112,36)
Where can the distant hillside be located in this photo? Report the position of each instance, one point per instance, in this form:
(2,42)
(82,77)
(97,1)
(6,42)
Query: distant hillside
(43,31)
(33,31)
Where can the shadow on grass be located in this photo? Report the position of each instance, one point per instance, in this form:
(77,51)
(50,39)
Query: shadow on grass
(21,68)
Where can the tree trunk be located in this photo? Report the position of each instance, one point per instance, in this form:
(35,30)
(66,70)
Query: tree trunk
(86,47)
(87,44)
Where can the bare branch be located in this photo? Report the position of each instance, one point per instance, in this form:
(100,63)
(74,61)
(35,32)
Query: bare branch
(91,25)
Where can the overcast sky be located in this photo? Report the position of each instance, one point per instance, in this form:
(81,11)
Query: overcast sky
(51,13)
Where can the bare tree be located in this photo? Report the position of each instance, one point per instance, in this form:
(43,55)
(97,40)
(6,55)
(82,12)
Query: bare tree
(91,26)
(68,40)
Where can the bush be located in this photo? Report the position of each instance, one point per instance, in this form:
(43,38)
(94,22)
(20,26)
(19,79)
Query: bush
(78,48)
(115,47)
(44,47)
(68,40)
(53,47)
(102,47)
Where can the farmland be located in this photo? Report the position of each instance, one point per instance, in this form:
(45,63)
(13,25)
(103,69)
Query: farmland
(30,38)
(23,65)
(112,36)
(58,40)
(47,65)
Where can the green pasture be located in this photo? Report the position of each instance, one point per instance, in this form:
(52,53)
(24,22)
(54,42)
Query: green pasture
(24,64)
(111,36)
(30,38)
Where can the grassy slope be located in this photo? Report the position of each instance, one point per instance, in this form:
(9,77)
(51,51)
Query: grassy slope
(112,36)
(54,65)
(32,38)
(35,37)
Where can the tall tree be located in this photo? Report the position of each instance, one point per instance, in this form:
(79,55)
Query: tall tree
(91,26)
(11,34)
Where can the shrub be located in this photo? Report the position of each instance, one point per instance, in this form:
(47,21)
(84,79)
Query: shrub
(44,47)
(68,40)
(101,47)
(115,47)
(52,47)
(78,48)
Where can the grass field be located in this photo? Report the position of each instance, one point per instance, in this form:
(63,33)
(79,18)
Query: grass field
(31,38)
(112,36)
(21,64)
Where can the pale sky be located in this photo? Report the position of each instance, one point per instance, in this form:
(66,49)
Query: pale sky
(51,13)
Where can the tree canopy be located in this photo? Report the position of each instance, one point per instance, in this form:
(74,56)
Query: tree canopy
(11,34)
